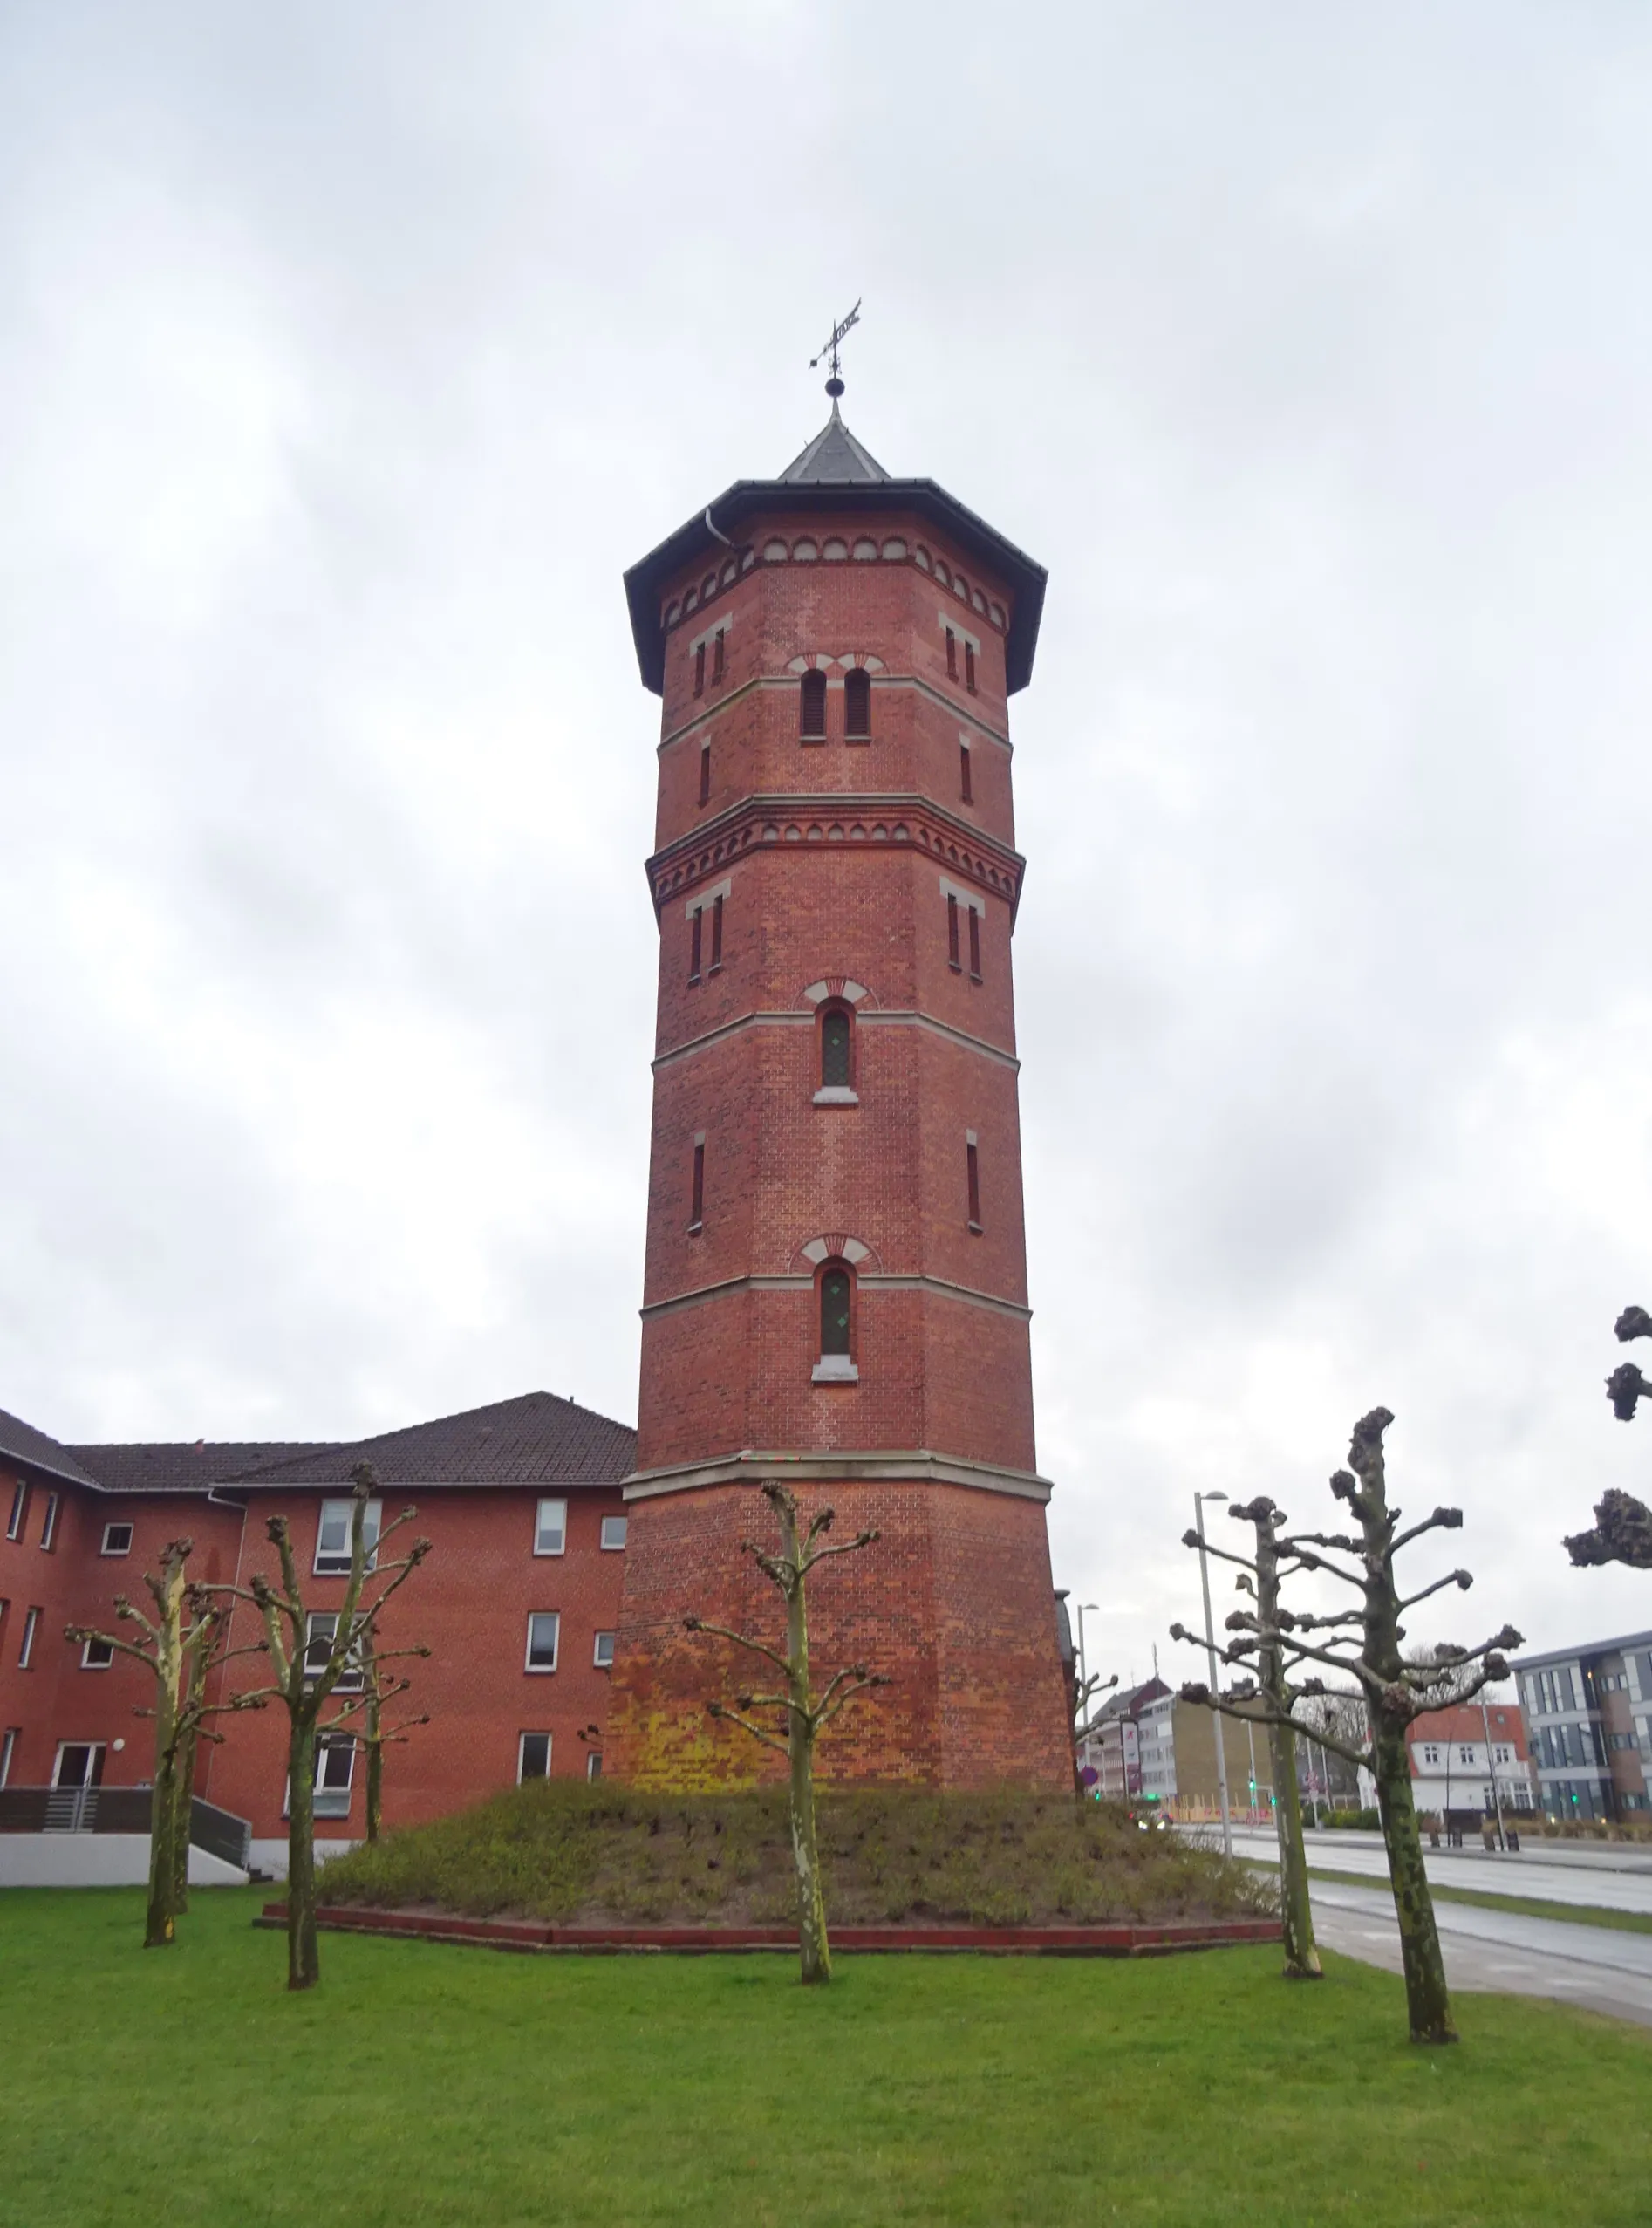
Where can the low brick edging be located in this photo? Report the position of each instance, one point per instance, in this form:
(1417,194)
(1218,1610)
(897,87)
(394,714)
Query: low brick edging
(697,1941)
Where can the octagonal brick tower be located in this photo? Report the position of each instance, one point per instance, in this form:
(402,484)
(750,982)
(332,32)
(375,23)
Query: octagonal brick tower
(835,1285)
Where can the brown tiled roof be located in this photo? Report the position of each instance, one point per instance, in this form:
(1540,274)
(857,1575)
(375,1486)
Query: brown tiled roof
(534,1439)
(183,1466)
(23,1444)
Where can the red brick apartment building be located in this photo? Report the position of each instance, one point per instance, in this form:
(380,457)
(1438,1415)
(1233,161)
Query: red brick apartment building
(519,1602)
(836,1279)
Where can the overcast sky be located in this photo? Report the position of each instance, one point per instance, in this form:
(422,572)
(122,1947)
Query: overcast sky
(348,353)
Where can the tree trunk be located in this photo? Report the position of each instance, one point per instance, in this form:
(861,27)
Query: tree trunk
(813,1948)
(1428,2001)
(1301,1955)
(375,1788)
(160,1919)
(194,1695)
(375,1747)
(303,1962)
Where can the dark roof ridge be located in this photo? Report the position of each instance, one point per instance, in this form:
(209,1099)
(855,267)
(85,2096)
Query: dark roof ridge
(39,1450)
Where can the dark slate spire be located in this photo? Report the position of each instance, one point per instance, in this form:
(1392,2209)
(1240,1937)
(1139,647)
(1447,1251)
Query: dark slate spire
(834,456)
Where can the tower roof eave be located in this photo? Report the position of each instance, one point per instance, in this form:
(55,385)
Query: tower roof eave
(1022,574)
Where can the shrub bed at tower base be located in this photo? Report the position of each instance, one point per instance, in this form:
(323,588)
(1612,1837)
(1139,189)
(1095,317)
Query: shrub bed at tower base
(569,1854)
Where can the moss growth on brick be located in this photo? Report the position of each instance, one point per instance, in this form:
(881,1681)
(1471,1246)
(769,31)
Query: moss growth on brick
(563,1850)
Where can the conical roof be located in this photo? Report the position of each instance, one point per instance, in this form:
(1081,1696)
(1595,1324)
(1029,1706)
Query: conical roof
(833,455)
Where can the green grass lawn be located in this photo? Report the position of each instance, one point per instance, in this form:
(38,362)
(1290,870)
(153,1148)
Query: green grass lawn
(424,2085)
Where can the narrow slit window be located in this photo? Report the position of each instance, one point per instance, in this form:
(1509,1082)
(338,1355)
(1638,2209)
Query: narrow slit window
(8,1750)
(49,1525)
(833,1049)
(19,1511)
(857,706)
(693,945)
(969,666)
(705,773)
(972,1168)
(951,655)
(31,1626)
(697,1214)
(717,654)
(716,934)
(834,1312)
(700,669)
(953,960)
(965,790)
(974,946)
(812,697)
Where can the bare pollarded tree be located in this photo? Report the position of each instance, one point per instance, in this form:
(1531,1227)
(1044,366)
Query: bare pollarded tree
(805,1714)
(1622,1528)
(1364,1643)
(179,1648)
(1262,1650)
(310,1669)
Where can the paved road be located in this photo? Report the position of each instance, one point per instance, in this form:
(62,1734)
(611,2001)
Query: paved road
(1598,1968)
(1612,1875)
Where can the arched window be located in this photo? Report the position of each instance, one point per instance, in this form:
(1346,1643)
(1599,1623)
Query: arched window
(835,1063)
(857,705)
(813,700)
(837,1314)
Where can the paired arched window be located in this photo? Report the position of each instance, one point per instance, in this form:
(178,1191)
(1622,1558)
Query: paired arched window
(812,700)
(857,705)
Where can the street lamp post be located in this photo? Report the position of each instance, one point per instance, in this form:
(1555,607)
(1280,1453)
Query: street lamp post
(1200,1500)
(1083,1660)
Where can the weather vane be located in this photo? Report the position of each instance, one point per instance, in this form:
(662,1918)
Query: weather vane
(835,385)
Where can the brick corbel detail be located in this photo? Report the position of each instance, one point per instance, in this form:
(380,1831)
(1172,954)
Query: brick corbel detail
(810,823)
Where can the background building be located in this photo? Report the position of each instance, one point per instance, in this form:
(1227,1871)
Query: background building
(519,1602)
(1588,1716)
(1452,1773)
(836,1282)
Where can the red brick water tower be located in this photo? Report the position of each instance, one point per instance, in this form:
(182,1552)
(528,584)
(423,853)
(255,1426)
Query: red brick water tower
(836,1286)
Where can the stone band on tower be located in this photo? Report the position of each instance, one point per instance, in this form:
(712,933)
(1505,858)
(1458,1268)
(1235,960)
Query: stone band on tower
(835,1284)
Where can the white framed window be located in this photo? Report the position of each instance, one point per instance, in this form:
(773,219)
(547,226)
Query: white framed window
(31,1626)
(320,1629)
(543,1627)
(19,1511)
(550,1528)
(1430,1753)
(117,1540)
(533,1756)
(593,1763)
(603,1654)
(332,1536)
(8,1750)
(49,1527)
(79,1764)
(335,1772)
(1465,1752)
(614,1534)
(1504,1755)
(97,1655)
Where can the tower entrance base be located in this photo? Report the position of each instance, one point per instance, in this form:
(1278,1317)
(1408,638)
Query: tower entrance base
(952,1604)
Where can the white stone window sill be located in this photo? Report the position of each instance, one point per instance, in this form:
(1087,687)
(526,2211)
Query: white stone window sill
(837,1095)
(835,1368)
